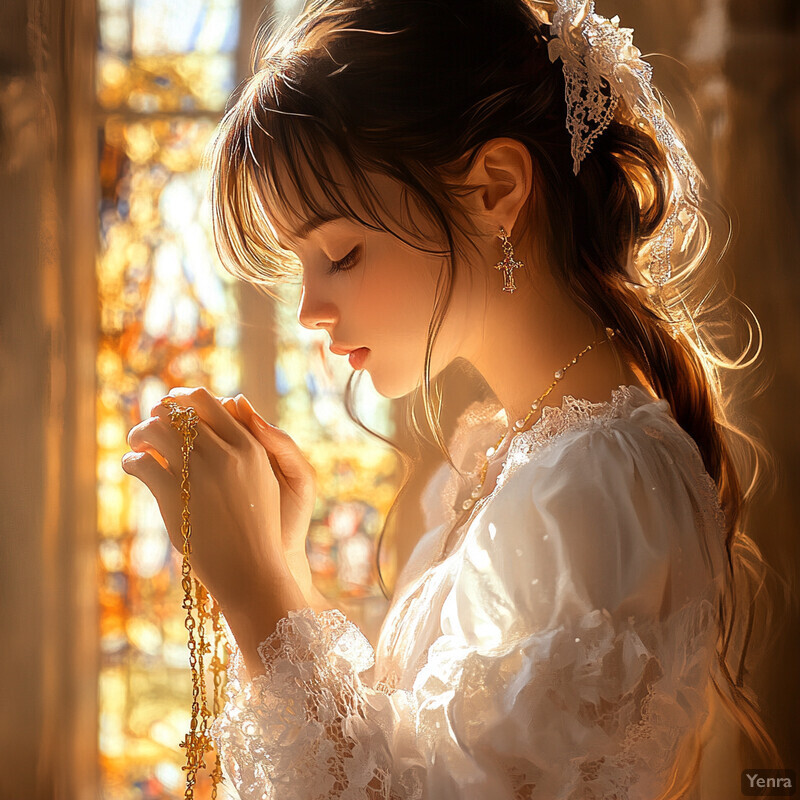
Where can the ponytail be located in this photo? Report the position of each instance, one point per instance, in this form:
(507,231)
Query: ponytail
(621,200)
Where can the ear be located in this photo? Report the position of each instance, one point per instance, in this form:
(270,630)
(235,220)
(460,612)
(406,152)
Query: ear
(502,177)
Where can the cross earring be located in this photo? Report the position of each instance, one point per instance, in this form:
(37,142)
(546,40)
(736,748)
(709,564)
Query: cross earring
(509,263)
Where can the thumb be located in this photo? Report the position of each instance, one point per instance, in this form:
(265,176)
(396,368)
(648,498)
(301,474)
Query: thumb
(279,444)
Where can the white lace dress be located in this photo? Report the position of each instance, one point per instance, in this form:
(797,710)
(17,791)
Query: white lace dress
(561,648)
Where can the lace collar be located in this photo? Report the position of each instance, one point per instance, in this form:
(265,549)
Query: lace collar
(573,414)
(554,421)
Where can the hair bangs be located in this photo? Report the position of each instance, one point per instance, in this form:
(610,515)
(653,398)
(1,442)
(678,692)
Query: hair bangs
(265,160)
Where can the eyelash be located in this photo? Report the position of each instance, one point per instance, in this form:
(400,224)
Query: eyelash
(348,261)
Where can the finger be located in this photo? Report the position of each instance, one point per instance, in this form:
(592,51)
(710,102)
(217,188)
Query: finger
(156,437)
(289,457)
(145,467)
(209,408)
(229,404)
(158,480)
(161,411)
(169,439)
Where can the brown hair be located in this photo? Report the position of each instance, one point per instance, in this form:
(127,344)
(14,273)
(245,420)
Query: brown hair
(411,89)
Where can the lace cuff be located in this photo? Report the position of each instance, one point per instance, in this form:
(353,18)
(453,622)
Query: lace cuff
(302,730)
(309,640)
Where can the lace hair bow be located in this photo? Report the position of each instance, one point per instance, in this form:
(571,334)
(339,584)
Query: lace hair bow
(601,68)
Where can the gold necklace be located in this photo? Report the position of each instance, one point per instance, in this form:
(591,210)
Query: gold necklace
(198,741)
(520,423)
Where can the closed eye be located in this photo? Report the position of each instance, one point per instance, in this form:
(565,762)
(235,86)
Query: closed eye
(348,262)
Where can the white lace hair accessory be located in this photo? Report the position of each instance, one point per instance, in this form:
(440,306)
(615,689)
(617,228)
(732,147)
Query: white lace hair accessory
(601,67)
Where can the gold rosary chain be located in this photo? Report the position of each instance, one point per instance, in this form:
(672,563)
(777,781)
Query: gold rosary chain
(198,741)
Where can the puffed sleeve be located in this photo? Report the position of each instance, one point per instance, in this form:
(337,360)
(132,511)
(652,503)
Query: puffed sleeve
(573,660)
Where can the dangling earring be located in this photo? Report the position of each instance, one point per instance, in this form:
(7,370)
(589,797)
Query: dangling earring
(509,263)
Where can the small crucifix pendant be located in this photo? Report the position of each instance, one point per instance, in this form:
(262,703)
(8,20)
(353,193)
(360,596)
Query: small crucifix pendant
(508,264)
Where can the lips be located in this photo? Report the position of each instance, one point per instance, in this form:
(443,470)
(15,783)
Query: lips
(358,357)
(342,351)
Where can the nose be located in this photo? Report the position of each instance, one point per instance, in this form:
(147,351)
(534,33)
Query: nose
(314,312)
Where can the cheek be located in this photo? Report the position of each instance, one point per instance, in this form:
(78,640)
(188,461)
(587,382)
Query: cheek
(396,308)
(399,290)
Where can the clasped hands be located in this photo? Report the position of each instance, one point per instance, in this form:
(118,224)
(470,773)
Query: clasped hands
(252,498)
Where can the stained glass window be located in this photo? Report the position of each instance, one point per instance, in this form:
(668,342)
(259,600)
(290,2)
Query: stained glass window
(168,57)
(170,316)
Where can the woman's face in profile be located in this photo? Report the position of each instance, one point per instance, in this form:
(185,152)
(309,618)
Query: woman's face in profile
(369,289)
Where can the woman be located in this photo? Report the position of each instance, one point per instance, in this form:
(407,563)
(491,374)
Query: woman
(493,181)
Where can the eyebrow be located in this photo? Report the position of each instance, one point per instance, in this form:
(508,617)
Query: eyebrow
(312,224)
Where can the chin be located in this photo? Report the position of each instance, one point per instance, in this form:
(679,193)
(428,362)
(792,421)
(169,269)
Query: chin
(395,391)
(398,383)
(393,385)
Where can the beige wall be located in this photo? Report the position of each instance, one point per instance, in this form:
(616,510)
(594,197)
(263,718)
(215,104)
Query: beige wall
(761,179)
(47,333)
